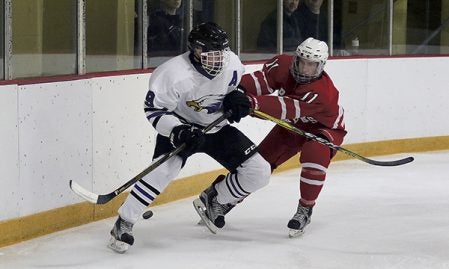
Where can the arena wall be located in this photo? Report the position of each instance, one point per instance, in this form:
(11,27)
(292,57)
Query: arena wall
(94,131)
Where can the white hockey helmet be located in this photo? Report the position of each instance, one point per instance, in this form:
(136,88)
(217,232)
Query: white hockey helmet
(312,50)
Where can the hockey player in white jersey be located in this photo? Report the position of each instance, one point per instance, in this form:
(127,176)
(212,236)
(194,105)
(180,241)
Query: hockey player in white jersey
(185,94)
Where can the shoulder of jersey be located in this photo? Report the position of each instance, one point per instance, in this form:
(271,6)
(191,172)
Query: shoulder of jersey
(327,80)
(177,65)
(280,64)
(177,61)
(234,59)
(285,59)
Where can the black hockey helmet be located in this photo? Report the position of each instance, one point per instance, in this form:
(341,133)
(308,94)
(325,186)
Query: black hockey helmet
(208,36)
(214,45)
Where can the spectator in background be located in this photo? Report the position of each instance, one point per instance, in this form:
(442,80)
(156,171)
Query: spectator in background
(203,11)
(292,35)
(165,29)
(311,22)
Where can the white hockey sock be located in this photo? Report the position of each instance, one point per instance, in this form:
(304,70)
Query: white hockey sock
(251,175)
(148,188)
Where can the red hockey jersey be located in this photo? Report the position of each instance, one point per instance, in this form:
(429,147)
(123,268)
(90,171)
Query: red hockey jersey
(308,106)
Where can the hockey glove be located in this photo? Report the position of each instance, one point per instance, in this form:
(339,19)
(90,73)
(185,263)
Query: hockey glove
(188,134)
(238,103)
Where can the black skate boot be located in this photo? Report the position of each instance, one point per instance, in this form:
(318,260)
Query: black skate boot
(226,207)
(121,236)
(299,221)
(210,210)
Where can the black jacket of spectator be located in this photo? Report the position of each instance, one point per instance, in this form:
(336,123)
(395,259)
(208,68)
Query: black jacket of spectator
(291,37)
(164,34)
(311,24)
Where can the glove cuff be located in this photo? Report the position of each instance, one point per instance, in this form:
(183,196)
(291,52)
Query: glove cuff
(253,101)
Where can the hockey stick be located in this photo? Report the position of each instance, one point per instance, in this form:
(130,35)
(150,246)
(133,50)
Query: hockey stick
(104,198)
(318,139)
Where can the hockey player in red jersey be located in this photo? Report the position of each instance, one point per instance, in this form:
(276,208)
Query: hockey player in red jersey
(307,98)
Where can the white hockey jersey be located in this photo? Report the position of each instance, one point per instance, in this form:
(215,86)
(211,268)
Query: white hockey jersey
(178,92)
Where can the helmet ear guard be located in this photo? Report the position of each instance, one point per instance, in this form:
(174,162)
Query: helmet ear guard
(311,50)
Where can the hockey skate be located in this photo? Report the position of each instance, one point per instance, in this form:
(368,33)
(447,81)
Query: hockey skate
(121,236)
(227,208)
(299,221)
(211,212)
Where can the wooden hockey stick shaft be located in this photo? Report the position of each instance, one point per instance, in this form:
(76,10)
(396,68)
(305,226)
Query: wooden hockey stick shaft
(104,198)
(318,139)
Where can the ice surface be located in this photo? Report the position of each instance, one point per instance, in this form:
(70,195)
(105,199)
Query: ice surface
(366,217)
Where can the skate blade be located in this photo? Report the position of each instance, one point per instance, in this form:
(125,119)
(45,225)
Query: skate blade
(201,210)
(201,222)
(117,246)
(292,233)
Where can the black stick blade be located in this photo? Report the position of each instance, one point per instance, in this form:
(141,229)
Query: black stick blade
(390,163)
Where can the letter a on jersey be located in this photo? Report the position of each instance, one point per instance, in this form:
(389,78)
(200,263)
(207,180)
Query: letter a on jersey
(234,79)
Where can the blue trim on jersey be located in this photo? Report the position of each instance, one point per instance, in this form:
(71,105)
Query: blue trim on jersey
(155,121)
(152,109)
(160,113)
(149,99)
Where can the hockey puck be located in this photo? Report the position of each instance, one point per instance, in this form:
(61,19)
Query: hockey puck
(148,214)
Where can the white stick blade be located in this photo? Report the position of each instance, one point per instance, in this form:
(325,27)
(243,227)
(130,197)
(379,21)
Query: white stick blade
(83,193)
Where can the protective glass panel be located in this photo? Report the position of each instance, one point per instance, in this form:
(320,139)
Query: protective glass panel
(259,29)
(303,20)
(300,20)
(110,35)
(2,41)
(166,33)
(421,27)
(361,27)
(44,38)
(221,12)
(138,35)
